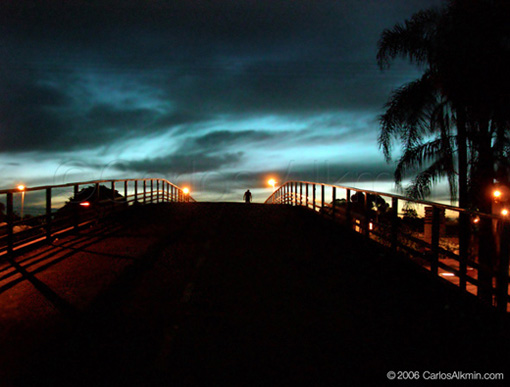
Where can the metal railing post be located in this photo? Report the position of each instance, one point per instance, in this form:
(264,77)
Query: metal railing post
(136,191)
(48,214)
(333,198)
(313,196)
(502,278)
(97,197)
(10,225)
(348,206)
(464,236)
(306,194)
(152,191)
(323,197)
(394,224)
(144,191)
(125,189)
(434,256)
(300,193)
(366,205)
(157,191)
(113,195)
(76,210)
(486,255)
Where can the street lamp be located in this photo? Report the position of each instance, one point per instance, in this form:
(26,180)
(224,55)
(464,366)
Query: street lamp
(21,188)
(185,191)
(272,183)
(500,201)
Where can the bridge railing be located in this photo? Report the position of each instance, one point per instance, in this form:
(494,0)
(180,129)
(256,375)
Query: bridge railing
(467,248)
(33,215)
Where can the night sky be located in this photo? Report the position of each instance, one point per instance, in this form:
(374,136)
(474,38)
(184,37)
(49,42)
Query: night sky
(218,95)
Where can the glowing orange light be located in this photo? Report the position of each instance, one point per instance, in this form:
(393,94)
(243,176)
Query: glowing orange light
(497,193)
(504,212)
(85,204)
(21,187)
(370,226)
(448,274)
(476,220)
(185,190)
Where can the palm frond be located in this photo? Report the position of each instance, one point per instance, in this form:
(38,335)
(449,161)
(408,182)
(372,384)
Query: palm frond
(407,114)
(417,157)
(410,40)
(422,183)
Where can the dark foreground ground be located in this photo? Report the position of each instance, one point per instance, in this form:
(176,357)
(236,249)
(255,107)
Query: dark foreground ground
(229,294)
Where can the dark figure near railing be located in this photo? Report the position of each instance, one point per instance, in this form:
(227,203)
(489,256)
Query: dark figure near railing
(247,196)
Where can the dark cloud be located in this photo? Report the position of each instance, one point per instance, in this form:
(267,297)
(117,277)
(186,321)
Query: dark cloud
(215,56)
(224,139)
(27,106)
(207,153)
(33,126)
(181,163)
(85,75)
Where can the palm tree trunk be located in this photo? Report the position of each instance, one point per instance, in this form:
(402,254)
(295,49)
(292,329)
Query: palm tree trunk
(464,221)
(485,180)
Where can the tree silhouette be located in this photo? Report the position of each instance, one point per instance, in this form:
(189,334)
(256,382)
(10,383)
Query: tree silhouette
(96,197)
(454,120)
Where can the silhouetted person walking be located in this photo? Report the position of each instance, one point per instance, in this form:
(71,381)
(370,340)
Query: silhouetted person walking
(247,196)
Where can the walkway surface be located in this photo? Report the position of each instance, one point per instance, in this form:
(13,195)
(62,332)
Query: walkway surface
(231,294)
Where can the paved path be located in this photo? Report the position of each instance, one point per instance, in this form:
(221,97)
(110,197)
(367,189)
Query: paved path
(206,294)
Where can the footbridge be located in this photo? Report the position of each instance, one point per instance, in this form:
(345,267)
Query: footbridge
(133,282)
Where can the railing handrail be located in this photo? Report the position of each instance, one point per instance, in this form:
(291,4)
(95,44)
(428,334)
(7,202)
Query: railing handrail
(55,222)
(395,196)
(481,241)
(38,188)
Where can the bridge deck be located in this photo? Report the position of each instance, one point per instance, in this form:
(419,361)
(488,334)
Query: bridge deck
(204,293)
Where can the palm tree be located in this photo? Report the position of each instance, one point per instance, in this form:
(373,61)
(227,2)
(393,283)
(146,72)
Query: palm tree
(422,120)
(419,113)
(454,120)
(473,58)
